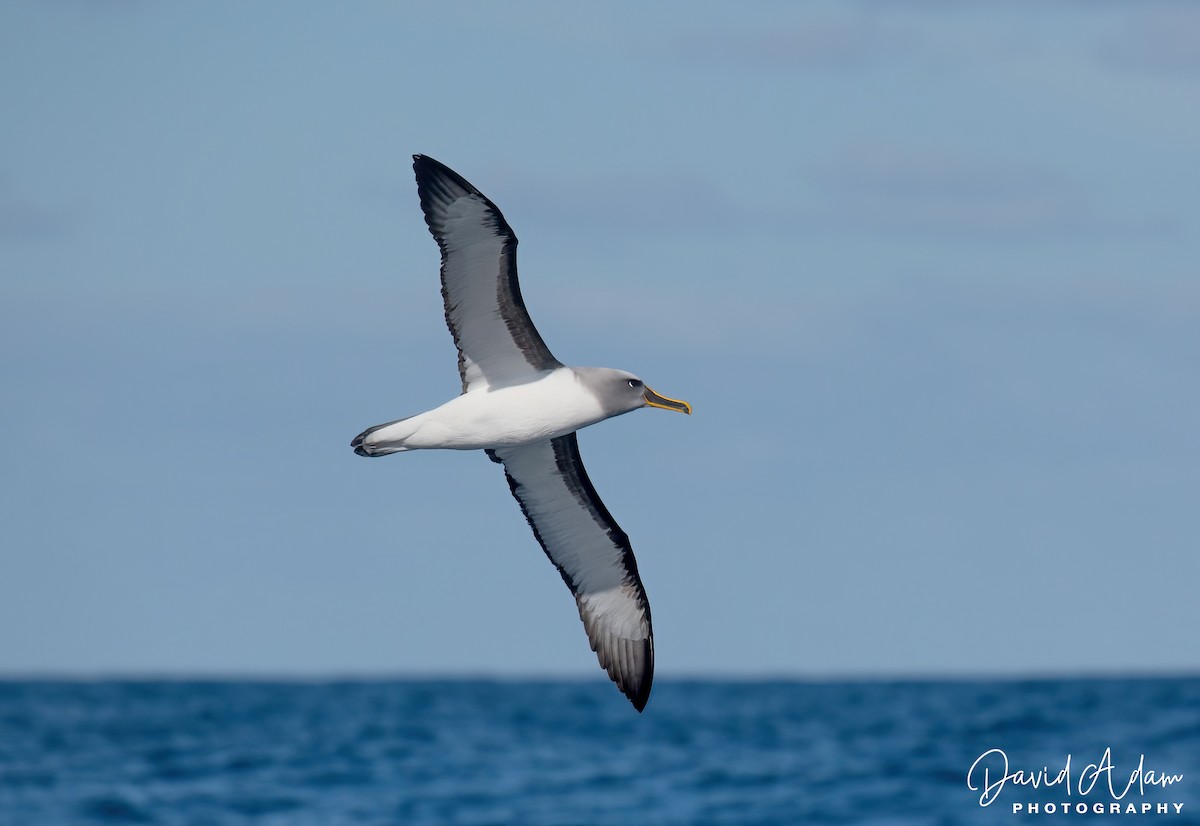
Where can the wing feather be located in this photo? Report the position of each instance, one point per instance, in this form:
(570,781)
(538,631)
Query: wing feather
(497,342)
(592,554)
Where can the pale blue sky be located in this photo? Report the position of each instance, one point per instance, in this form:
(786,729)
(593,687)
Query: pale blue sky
(926,270)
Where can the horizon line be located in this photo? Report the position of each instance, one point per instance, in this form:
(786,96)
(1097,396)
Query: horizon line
(468,676)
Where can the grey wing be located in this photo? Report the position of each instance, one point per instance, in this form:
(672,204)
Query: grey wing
(497,342)
(591,552)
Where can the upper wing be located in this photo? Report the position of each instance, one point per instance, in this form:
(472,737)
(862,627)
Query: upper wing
(591,552)
(497,342)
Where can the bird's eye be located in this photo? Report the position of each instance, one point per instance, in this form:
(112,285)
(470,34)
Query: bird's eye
(634,383)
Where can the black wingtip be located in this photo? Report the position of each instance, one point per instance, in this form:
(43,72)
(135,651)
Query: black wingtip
(637,689)
(438,185)
(630,665)
(640,699)
(423,164)
(427,168)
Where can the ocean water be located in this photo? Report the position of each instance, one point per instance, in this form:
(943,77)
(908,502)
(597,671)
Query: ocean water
(547,752)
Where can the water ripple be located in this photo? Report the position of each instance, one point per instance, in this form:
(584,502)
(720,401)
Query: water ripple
(538,752)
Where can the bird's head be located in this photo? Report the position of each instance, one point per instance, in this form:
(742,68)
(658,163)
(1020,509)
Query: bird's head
(623,392)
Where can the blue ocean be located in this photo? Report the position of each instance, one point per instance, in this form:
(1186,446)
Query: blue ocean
(562,752)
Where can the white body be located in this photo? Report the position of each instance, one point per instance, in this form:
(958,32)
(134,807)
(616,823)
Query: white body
(554,405)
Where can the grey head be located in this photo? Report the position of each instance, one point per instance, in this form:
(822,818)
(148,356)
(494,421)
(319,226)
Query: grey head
(620,392)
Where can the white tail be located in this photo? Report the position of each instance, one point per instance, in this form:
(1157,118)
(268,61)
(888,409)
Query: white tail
(374,442)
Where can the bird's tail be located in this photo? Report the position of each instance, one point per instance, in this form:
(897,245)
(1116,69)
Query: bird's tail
(382,439)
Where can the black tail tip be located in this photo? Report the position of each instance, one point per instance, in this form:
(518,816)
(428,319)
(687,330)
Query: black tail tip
(357,444)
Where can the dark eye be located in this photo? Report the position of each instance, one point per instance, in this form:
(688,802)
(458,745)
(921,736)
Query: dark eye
(634,383)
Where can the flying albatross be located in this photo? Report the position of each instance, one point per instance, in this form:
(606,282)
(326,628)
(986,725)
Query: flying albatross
(522,406)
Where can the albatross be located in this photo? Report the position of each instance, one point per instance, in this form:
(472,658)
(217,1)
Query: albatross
(522,406)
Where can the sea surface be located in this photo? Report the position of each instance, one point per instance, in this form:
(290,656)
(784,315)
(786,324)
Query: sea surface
(561,752)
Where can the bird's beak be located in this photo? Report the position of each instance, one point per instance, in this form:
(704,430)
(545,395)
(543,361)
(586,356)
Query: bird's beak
(655,400)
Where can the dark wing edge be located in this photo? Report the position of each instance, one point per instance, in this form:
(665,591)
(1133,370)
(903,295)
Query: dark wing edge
(592,554)
(439,186)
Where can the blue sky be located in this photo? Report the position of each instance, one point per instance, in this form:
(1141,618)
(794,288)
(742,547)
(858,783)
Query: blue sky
(927,272)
